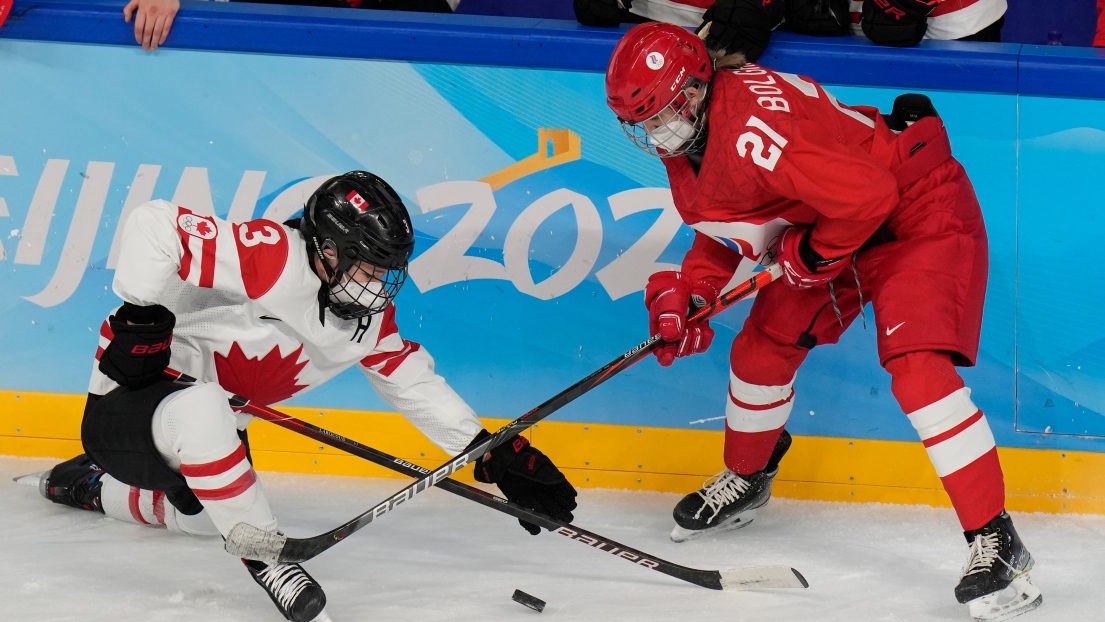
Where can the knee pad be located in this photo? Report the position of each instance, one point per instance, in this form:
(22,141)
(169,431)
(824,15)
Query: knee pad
(195,420)
(921,378)
(758,359)
(196,525)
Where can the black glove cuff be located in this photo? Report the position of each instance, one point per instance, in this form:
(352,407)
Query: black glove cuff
(492,469)
(147,319)
(818,17)
(812,259)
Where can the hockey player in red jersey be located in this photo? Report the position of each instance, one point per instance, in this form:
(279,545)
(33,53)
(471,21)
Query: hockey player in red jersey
(769,167)
(267,311)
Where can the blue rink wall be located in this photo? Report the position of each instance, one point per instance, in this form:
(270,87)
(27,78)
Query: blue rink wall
(537,221)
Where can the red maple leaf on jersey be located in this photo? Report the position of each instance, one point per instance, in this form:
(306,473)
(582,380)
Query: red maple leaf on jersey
(265,380)
(203,228)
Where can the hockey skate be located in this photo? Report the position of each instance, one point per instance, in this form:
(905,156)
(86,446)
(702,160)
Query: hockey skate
(995,584)
(298,596)
(727,501)
(75,483)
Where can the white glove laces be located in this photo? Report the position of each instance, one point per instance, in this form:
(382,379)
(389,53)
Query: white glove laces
(984,550)
(285,581)
(727,488)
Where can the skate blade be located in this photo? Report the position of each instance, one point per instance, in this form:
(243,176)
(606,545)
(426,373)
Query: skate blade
(322,617)
(36,480)
(679,534)
(1020,596)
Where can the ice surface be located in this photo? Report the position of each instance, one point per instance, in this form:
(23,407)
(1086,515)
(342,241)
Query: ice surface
(442,558)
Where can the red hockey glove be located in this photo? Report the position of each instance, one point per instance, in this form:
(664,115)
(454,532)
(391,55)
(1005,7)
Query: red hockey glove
(803,267)
(670,297)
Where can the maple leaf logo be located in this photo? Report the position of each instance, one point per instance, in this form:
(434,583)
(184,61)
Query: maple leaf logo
(265,380)
(203,228)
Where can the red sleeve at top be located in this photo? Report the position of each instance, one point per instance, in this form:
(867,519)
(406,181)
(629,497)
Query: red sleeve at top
(710,261)
(851,193)
(1099,38)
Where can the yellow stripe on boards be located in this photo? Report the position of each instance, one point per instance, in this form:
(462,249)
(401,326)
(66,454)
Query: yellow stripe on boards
(612,456)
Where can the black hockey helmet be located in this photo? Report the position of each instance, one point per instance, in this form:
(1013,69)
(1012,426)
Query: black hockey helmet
(359,220)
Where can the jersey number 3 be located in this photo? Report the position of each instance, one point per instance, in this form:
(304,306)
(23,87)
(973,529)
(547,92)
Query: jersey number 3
(752,142)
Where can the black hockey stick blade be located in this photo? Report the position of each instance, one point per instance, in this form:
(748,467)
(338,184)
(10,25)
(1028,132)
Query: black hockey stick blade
(250,543)
(744,578)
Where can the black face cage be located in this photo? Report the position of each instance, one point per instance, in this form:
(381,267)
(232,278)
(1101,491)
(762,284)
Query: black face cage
(355,292)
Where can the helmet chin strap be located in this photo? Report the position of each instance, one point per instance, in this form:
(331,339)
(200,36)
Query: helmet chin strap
(324,288)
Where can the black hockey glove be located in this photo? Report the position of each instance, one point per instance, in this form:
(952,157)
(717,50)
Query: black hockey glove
(527,477)
(140,348)
(898,23)
(823,18)
(601,12)
(742,26)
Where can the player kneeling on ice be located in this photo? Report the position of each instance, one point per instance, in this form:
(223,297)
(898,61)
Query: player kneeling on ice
(855,206)
(266,311)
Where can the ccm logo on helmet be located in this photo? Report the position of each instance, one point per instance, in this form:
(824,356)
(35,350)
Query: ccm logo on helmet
(154,349)
(678,79)
(357,200)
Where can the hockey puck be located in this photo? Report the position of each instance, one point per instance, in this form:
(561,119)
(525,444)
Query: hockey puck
(532,602)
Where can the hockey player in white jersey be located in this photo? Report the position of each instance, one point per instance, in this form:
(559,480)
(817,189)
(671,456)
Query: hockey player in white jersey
(267,311)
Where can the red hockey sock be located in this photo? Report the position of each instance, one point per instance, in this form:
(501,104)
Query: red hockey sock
(761,395)
(954,431)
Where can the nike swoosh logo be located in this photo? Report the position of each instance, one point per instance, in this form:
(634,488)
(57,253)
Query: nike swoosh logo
(890,331)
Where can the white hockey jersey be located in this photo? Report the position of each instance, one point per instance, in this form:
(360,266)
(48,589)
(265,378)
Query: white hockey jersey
(246,305)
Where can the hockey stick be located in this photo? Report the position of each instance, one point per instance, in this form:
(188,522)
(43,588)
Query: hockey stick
(252,543)
(733,579)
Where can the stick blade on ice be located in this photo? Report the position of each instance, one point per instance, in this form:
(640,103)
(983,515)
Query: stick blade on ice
(762,577)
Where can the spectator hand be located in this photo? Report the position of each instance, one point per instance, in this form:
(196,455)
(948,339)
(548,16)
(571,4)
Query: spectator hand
(740,26)
(898,23)
(152,20)
(818,17)
(600,12)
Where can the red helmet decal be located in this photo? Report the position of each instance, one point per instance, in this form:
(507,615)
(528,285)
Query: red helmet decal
(357,200)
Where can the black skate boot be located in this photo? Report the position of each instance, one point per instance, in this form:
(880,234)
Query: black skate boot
(995,584)
(727,501)
(75,483)
(298,597)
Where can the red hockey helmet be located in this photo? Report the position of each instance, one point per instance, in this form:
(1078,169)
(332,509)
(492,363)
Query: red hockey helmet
(650,70)
(650,65)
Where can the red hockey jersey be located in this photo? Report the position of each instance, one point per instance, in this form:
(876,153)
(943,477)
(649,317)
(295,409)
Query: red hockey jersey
(782,151)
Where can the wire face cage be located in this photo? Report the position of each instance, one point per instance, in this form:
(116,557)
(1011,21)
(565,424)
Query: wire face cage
(678,129)
(359,289)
